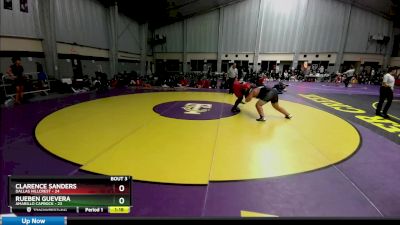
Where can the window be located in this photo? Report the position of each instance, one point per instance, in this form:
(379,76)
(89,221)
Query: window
(197,65)
(172,65)
(225,66)
(212,64)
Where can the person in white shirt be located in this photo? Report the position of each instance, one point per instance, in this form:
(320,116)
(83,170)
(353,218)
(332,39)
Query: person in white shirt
(321,70)
(232,75)
(286,75)
(386,93)
(349,74)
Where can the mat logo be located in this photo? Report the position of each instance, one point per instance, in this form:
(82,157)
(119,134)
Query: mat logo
(196,108)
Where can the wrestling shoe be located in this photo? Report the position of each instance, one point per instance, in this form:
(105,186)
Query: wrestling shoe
(237,110)
(261,119)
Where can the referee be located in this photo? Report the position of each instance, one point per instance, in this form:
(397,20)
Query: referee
(232,75)
(386,93)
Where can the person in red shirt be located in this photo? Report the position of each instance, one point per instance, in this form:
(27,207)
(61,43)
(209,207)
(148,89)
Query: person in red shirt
(240,89)
(206,83)
(184,82)
(200,83)
(262,80)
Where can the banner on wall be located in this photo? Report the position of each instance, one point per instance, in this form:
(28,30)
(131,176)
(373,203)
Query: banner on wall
(8,4)
(24,5)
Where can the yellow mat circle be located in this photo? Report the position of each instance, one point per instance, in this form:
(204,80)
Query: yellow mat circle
(123,136)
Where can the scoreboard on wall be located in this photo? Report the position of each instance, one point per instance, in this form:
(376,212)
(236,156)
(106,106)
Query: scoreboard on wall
(86,195)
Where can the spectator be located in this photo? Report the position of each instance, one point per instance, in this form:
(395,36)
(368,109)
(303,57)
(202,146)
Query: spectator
(16,73)
(322,70)
(286,75)
(349,75)
(42,77)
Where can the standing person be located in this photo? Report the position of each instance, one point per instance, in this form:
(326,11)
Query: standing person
(16,73)
(386,92)
(232,75)
(266,94)
(322,70)
(372,75)
(42,77)
(349,75)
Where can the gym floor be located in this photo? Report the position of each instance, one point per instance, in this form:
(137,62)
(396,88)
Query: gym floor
(191,157)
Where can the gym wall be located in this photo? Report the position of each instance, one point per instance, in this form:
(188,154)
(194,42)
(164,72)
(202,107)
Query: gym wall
(128,32)
(82,22)
(65,68)
(82,28)
(174,34)
(272,28)
(15,23)
(323,27)
(395,61)
(202,33)
(239,26)
(363,24)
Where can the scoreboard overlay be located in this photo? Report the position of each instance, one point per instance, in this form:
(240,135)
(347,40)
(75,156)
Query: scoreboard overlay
(87,194)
